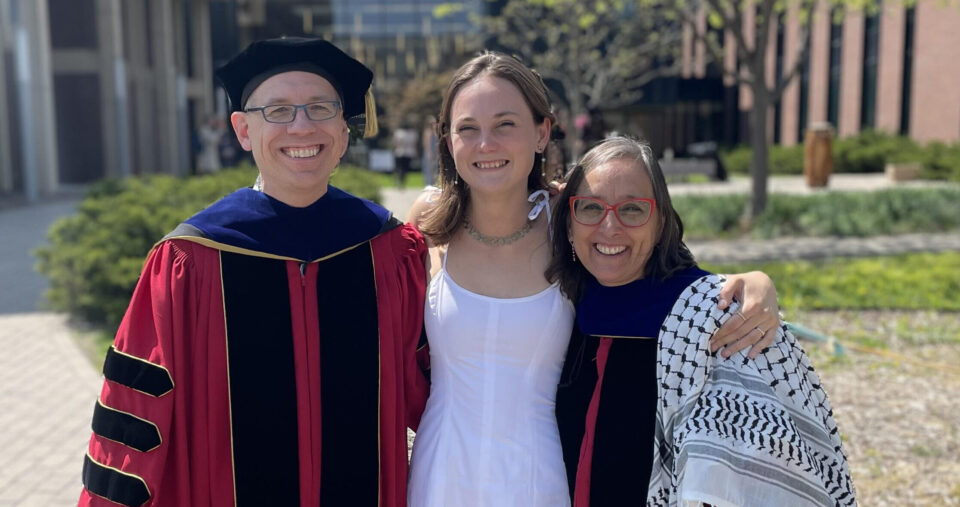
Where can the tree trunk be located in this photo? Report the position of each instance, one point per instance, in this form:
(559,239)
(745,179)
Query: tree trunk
(760,163)
(577,107)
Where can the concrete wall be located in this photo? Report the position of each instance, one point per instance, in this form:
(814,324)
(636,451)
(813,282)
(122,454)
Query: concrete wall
(106,83)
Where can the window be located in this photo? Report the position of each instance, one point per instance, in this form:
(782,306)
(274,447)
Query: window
(868,93)
(836,46)
(778,73)
(804,78)
(906,87)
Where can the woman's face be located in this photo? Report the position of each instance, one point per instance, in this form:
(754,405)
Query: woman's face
(613,253)
(493,136)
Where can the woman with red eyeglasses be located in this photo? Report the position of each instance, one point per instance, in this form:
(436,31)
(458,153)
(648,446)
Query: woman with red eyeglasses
(646,408)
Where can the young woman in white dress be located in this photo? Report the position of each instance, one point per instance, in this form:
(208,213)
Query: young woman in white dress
(497,329)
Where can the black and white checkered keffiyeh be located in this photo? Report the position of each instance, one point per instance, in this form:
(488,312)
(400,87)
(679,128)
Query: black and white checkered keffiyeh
(740,432)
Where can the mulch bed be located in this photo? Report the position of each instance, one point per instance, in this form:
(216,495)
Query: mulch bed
(897,401)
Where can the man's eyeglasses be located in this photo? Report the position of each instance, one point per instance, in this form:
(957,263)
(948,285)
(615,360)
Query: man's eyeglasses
(629,212)
(286,113)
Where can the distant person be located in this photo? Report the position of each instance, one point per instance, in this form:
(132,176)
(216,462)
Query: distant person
(429,150)
(404,151)
(210,135)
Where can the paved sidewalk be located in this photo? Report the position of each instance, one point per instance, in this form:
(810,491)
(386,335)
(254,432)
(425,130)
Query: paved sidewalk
(47,386)
(760,250)
(22,229)
(842,182)
(47,391)
(399,200)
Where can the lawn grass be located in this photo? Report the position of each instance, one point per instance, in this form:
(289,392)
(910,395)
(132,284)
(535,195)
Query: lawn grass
(414,179)
(842,214)
(920,281)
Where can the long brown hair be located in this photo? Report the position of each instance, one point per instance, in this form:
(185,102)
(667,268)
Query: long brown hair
(443,220)
(669,255)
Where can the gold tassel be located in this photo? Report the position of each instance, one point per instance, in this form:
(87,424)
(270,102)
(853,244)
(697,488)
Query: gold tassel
(370,106)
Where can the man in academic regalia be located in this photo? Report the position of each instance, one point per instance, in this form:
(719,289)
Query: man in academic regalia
(268,356)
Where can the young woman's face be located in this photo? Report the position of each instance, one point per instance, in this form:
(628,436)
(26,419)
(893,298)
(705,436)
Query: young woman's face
(493,136)
(613,253)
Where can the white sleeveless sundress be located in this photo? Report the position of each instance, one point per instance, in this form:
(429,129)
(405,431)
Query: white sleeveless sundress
(489,434)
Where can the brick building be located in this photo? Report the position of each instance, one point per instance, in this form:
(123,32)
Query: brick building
(896,70)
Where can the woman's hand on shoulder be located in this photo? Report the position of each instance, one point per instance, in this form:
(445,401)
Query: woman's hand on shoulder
(755,324)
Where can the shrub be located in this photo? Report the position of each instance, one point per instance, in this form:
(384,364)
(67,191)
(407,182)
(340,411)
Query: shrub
(869,151)
(736,160)
(95,256)
(783,159)
(940,161)
(894,211)
(866,152)
(786,159)
(908,282)
(710,216)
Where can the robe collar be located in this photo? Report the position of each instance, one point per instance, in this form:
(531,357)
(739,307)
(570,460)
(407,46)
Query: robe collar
(254,221)
(633,310)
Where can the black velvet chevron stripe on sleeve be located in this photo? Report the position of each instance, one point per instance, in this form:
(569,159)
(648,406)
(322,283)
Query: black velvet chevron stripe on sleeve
(114,485)
(136,373)
(124,428)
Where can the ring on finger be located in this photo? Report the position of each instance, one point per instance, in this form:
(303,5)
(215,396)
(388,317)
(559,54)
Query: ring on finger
(762,332)
(742,316)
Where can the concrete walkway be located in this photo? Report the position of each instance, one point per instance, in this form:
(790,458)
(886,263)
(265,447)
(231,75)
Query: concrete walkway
(796,185)
(47,386)
(761,250)
(399,201)
(47,391)
(22,229)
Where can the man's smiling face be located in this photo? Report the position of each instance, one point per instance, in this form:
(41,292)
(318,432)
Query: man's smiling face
(295,159)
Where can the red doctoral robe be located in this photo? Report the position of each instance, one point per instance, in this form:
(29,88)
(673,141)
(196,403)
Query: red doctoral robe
(241,377)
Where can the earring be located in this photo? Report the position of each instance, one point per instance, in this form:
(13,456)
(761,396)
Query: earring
(573,254)
(456,177)
(543,161)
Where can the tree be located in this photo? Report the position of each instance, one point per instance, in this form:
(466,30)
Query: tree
(601,52)
(752,25)
(419,98)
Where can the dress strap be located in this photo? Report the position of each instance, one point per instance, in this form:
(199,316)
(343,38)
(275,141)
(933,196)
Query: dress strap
(444,250)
